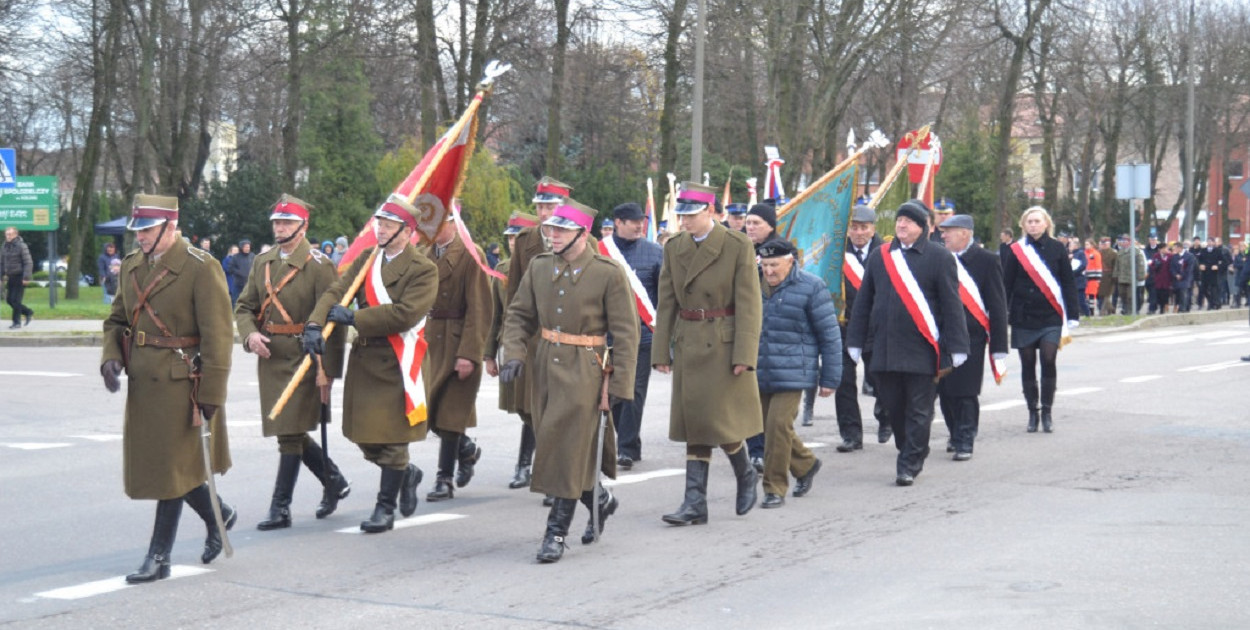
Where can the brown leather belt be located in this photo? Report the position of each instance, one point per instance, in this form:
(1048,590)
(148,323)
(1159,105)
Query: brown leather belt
(704,314)
(283,329)
(144,339)
(446,313)
(372,341)
(587,341)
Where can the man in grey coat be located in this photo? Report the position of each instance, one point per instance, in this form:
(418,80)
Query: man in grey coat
(15,269)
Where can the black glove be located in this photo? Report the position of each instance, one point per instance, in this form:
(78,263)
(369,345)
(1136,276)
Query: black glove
(311,341)
(511,370)
(340,315)
(109,371)
(207,411)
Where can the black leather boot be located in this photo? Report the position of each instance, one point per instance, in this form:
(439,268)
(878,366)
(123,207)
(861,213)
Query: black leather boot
(280,504)
(748,478)
(335,486)
(1030,399)
(201,501)
(410,478)
(156,564)
(558,520)
(524,459)
(607,506)
(470,452)
(383,518)
(1048,400)
(442,490)
(693,510)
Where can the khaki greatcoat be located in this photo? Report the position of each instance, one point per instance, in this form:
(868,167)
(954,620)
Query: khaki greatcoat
(373,391)
(314,273)
(494,341)
(710,406)
(161,451)
(590,296)
(462,288)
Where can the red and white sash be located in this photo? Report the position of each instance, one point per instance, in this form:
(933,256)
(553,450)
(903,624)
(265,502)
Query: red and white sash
(853,270)
(409,347)
(1045,281)
(970,295)
(911,295)
(646,310)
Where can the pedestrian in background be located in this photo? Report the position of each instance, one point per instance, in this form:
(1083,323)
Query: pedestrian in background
(16,268)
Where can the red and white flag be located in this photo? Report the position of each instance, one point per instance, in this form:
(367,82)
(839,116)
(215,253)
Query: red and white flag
(646,310)
(409,346)
(970,295)
(909,292)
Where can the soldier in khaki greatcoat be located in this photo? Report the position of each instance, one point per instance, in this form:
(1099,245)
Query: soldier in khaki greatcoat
(571,300)
(455,331)
(507,398)
(377,395)
(170,330)
(710,313)
(281,291)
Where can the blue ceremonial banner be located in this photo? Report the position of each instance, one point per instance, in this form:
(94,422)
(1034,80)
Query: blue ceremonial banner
(816,221)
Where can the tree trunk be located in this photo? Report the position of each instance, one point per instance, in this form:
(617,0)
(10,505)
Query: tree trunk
(672,68)
(293,16)
(557,88)
(427,59)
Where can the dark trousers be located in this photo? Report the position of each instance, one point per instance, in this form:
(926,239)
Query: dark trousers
(963,417)
(627,414)
(1183,298)
(846,402)
(908,400)
(13,296)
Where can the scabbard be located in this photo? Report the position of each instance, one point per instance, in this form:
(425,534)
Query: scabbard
(205,435)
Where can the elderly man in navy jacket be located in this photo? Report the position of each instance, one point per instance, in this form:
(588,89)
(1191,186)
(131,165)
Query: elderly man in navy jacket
(802,326)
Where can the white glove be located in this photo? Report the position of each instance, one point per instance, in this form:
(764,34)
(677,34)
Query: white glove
(1072,323)
(958,358)
(1000,356)
(854,353)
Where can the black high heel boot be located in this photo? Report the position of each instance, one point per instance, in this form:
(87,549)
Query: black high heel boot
(1048,401)
(1030,399)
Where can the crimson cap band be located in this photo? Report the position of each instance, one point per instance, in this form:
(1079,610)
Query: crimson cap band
(397,208)
(151,210)
(519,221)
(290,208)
(694,198)
(551,191)
(572,215)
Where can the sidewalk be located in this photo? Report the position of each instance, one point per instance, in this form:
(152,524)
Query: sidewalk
(88,332)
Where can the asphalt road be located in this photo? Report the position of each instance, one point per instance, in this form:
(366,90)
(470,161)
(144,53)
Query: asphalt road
(1130,515)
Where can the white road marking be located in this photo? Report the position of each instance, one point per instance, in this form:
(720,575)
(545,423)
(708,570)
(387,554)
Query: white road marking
(1232,341)
(1137,336)
(1141,379)
(32,373)
(243,423)
(1215,367)
(100,587)
(107,437)
(622,480)
(1077,391)
(35,446)
(1006,404)
(415,521)
(815,444)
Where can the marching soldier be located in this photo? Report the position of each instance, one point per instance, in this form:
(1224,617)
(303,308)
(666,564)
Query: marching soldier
(455,331)
(277,299)
(710,313)
(170,329)
(381,411)
(572,299)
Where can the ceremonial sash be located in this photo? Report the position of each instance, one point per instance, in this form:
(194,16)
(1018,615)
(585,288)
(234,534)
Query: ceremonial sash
(970,295)
(853,270)
(409,347)
(911,295)
(1045,281)
(646,310)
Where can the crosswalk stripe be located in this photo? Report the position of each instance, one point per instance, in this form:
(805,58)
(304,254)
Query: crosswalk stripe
(622,480)
(35,373)
(1077,391)
(999,406)
(415,521)
(35,446)
(1141,379)
(100,587)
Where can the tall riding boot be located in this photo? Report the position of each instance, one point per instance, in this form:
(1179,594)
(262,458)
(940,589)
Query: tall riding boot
(693,510)
(558,520)
(335,486)
(809,407)
(383,518)
(1048,400)
(201,501)
(410,478)
(607,506)
(280,505)
(748,478)
(448,449)
(470,452)
(1030,399)
(524,459)
(156,563)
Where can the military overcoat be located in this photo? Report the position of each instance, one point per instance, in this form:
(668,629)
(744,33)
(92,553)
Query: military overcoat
(589,296)
(161,451)
(373,391)
(710,405)
(494,342)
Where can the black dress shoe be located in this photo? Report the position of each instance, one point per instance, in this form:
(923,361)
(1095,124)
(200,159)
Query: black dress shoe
(962,457)
(29,316)
(803,484)
(950,448)
(625,462)
(884,433)
(904,480)
(847,446)
(772,501)
(1246,358)
(15,326)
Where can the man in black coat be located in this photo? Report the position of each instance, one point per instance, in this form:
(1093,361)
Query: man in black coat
(959,391)
(861,240)
(908,351)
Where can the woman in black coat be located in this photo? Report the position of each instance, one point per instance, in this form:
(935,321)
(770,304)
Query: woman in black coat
(1038,308)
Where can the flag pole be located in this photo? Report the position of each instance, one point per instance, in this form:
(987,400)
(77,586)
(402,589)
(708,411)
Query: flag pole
(886,183)
(874,142)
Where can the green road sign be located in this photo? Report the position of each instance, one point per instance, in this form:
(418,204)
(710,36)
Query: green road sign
(31,204)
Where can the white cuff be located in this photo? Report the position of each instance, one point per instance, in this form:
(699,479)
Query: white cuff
(1072,323)
(854,353)
(1000,356)
(958,358)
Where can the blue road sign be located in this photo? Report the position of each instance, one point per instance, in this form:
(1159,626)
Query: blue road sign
(8,168)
